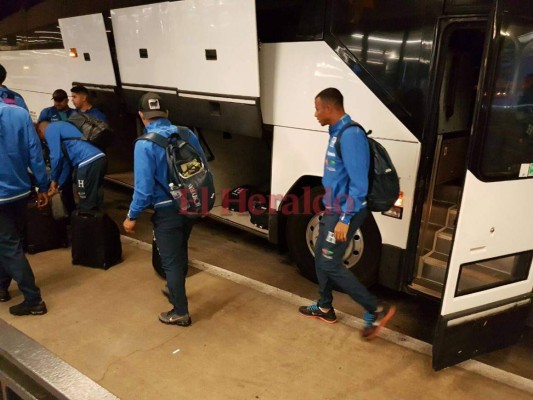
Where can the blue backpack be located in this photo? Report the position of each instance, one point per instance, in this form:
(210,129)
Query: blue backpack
(191,183)
(383,181)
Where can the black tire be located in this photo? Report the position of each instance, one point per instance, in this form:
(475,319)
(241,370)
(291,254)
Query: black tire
(366,268)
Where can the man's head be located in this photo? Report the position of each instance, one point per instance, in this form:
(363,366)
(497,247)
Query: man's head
(3,74)
(329,106)
(80,97)
(60,99)
(151,107)
(41,128)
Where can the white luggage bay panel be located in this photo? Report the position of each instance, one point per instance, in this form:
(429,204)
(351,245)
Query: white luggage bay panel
(225,27)
(87,34)
(181,41)
(145,29)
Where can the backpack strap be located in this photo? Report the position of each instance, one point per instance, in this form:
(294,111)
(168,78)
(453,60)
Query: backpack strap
(160,140)
(339,136)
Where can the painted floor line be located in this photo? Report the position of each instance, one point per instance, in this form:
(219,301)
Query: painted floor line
(400,339)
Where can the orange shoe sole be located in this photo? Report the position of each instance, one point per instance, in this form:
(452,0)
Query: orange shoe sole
(320,318)
(382,323)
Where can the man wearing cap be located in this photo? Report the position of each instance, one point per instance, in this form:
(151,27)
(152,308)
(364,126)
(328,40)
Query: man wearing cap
(80,99)
(171,229)
(60,111)
(9,96)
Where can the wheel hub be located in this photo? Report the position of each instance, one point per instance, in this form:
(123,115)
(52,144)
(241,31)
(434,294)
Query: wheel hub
(353,253)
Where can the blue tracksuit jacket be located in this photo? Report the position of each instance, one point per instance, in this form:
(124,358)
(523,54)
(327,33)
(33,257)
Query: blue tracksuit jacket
(20,149)
(151,171)
(9,96)
(346,180)
(79,152)
(51,114)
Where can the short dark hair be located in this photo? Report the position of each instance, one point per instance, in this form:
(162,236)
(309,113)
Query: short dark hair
(3,74)
(331,95)
(80,89)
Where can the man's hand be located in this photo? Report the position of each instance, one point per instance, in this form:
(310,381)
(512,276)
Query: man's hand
(341,231)
(42,200)
(54,189)
(129,225)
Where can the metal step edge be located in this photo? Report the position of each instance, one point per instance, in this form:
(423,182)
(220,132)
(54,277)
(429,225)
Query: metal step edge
(419,286)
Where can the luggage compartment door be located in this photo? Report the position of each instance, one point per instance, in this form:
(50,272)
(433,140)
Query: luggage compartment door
(489,278)
(85,38)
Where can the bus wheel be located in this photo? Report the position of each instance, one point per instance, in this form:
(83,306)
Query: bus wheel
(361,257)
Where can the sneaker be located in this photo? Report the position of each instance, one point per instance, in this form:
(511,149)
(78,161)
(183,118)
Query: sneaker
(173,318)
(377,320)
(313,311)
(4,296)
(166,292)
(28,309)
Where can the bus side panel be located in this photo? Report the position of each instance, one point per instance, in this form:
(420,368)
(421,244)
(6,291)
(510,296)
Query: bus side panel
(216,45)
(35,74)
(145,43)
(194,46)
(87,34)
(292,75)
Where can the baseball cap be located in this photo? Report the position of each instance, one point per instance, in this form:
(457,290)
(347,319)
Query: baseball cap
(150,105)
(59,95)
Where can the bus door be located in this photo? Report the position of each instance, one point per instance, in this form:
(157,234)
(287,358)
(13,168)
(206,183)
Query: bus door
(488,288)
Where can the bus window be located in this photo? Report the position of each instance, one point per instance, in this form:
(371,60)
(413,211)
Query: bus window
(509,130)
(392,43)
(486,274)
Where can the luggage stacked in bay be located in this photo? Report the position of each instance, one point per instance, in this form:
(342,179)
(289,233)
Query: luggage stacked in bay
(95,240)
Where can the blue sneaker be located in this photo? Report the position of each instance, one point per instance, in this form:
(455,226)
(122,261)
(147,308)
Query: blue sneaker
(313,311)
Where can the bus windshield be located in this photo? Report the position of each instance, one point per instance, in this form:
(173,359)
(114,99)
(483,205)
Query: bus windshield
(508,147)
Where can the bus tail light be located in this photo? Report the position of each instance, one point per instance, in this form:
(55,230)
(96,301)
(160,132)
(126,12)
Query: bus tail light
(396,211)
(73,53)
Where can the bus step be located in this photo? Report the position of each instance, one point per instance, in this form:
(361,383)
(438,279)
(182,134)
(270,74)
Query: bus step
(443,240)
(451,219)
(439,213)
(427,287)
(433,266)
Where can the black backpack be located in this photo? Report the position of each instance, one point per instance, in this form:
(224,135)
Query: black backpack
(383,181)
(191,183)
(93,130)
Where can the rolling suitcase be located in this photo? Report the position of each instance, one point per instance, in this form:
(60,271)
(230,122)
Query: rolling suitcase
(42,231)
(156,260)
(95,240)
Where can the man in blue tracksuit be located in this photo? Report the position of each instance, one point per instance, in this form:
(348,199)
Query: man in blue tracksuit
(9,96)
(19,150)
(80,99)
(68,152)
(171,229)
(60,111)
(346,184)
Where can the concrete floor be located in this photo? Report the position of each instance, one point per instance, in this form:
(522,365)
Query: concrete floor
(243,344)
(254,257)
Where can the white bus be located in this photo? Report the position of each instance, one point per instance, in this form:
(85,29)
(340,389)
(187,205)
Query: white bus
(445,85)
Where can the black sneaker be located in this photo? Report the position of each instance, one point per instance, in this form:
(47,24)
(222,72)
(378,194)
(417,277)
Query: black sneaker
(4,296)
(377,320)
(28,309)
(173,318)
(313,311)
